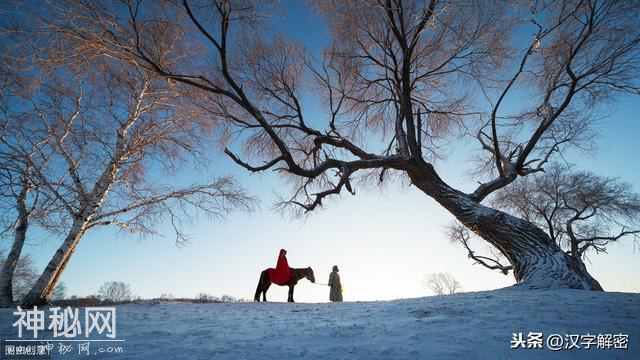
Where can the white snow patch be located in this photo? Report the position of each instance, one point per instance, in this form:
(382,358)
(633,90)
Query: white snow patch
(477,325)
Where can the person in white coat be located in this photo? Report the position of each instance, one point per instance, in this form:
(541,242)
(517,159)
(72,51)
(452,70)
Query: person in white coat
(335,294)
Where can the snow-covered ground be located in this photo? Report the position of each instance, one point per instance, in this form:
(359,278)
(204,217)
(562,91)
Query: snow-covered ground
(477,325)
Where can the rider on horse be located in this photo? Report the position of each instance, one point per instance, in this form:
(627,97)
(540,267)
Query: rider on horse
(282,273)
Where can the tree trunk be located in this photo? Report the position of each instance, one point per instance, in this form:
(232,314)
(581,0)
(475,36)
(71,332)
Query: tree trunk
(538,262)
(9,267)
(42,290)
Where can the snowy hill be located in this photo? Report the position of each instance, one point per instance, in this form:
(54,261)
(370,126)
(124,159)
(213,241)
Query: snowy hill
(478,325)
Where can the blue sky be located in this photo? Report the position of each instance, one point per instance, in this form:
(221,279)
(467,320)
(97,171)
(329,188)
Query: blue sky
(384,241)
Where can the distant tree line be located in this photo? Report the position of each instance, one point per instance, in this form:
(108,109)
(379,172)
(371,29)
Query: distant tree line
(119,292)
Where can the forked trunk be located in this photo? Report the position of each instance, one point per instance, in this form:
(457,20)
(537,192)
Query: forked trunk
(538,262)
(42,290)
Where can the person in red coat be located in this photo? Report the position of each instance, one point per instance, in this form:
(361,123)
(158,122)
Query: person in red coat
(282,273)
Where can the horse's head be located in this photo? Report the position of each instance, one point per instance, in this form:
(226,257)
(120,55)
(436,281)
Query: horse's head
(310,275)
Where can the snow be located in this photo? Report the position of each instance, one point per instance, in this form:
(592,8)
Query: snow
(476,325)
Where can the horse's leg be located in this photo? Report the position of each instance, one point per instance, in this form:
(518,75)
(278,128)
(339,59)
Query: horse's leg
(266,282)
(260,287)
(290,299)
(264,294)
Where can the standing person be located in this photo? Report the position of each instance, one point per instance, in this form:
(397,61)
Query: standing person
(335,294)
(282,273)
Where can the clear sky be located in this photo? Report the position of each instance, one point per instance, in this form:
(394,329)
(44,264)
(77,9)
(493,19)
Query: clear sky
(384,241)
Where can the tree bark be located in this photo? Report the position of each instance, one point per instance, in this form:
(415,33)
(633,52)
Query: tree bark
(43,288)
(538,262)
(9,266)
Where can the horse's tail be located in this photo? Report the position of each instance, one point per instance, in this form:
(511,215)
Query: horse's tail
(259,288)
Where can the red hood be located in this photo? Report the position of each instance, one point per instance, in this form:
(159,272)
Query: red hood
(282,273)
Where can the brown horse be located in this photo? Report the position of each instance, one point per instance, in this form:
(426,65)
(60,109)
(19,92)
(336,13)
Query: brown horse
(298,274)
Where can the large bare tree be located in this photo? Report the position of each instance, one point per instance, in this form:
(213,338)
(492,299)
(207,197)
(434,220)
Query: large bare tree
(581,212)
(398,78)
(98,142)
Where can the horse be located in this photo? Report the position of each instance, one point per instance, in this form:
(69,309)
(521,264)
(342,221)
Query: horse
(297,274)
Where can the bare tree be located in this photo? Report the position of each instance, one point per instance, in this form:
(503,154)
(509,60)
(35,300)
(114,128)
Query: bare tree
(60,292)
(399,77)
(24,276)
(228,299)
(94,135)
(442,283)
(166,296)
(115,292)
(19,227)
(579,210)
(203,297)
(20,197)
